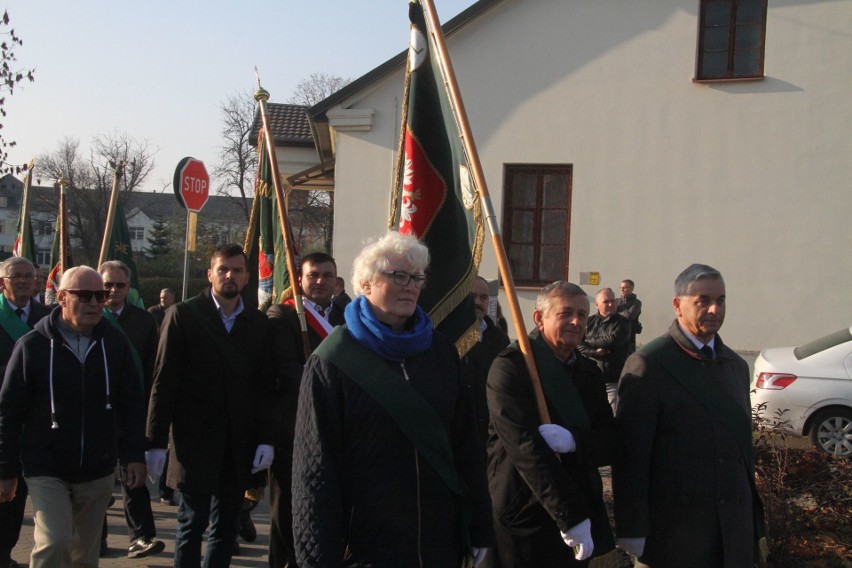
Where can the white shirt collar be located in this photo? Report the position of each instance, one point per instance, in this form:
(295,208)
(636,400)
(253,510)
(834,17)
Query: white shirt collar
(697,342)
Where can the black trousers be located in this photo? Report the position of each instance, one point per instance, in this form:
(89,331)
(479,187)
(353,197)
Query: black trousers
(11,519)
(137,512)
(165,491)
(281,549)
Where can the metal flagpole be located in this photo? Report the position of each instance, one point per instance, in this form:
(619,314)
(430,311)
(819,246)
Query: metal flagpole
(487,208)
(261,96)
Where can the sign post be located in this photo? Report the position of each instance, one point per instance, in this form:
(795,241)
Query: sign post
(192,188)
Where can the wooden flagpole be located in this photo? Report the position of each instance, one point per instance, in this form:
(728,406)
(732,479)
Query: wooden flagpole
(118,170)
(261,96)
(25,211)
(63,227)
(487,208)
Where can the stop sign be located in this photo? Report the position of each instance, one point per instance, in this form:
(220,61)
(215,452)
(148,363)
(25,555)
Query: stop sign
(192,184)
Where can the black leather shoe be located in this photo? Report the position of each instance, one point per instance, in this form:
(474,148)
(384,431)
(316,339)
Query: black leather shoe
(247,531)
(104,548)
(144,546)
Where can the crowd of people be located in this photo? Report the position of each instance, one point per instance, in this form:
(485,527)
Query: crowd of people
(376,443)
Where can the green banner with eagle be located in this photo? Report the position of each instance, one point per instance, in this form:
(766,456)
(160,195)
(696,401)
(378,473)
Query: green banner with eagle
(434,196)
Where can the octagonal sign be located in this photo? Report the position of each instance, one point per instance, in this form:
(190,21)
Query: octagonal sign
(192,184)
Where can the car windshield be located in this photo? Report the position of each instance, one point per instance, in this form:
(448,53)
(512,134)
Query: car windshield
(823,343)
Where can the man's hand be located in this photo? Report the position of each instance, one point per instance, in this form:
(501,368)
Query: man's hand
(155,458)
(135,475)
(263,457)
(634,546)
(8,489)
(558,438)
(579,537)
(478,555)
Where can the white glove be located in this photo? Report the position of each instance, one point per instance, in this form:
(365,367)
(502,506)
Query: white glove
(263,457)
(478,555)
(579,537)
(558,438)
(155,460)
(634,546)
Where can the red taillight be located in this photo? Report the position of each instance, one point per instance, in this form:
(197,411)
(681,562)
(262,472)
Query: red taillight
(774,381)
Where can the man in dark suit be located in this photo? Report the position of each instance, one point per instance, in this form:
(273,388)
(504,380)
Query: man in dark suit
(18,314)
(318,281)
(684,479)
(167,299)
(141,329)
(214,388)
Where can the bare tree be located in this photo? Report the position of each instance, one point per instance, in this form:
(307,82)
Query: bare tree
(237,165)
(317,87)
(91,182)
(10,76)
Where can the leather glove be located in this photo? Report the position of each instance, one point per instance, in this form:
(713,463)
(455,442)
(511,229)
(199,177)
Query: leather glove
(558,438)
(155,460)
(263,457)
(634,546)
(478,555)
(579,537)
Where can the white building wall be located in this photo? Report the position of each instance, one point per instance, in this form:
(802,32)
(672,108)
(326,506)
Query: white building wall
(750,177)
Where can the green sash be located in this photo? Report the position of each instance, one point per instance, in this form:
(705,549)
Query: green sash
(558,389)
(701,384)
(407,408)
(13,325)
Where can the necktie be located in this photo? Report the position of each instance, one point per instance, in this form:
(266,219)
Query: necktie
(707,352)
(321,311)
(20,312)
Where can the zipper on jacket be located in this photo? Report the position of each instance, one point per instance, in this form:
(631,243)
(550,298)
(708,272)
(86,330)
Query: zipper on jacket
(417,476)
(82,400)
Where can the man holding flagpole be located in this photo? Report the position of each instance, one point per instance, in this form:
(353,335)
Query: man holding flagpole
(318,281)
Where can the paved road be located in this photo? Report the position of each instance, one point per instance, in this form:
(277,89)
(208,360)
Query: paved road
(251,555)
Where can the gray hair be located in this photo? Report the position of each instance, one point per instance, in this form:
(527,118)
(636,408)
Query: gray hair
(376,257)
(73,271)
(114,265)
(561,288)
(168,291)
(692,273)
(603,291)
(7,265)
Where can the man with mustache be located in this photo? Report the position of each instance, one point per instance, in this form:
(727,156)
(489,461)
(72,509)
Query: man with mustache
(684,482)
(213,386)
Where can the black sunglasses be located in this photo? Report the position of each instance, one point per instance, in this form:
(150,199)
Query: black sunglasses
(86,296)
(116,285)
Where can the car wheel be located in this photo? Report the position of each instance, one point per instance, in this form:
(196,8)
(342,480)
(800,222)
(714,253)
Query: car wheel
(832,431)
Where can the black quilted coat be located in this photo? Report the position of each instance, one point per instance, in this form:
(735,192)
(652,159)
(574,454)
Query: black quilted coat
(362,494)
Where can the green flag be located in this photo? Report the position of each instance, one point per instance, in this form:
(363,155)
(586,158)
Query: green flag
(436,200)
(119,249)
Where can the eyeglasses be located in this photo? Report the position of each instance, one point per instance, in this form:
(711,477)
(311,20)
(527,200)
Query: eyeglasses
(116,285)
(401,278)
(16,277)
(86,296)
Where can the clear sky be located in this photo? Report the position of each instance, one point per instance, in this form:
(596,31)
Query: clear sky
(159,70)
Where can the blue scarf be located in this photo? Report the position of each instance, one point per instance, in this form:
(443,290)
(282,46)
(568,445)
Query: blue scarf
(379,338)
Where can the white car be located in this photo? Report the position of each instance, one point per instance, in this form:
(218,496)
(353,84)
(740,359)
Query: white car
(813,383)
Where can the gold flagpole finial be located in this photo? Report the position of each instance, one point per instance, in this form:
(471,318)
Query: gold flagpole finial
(63,181)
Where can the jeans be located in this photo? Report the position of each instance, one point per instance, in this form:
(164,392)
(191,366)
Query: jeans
(195,511)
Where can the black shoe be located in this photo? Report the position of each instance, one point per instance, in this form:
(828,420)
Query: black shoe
(144,546)
(104,548)
(247,531)
(170,501)
(111,501)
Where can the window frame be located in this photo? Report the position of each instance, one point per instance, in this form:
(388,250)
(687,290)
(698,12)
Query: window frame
(540,170)
(731,49)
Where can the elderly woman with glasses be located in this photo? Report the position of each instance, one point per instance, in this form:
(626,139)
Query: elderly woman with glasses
(387,469)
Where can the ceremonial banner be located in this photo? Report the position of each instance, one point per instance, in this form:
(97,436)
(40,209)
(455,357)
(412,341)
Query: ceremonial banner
(264,244)
(52,284)
(435,198)
(24,242)
(119,248)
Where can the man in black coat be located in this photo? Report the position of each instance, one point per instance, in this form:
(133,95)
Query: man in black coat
(684,482)
(477,362)
(213,387)
(167,299)
(318,282)
(607,341)
(142,331)
(543,478)
(19,312)
(630,307)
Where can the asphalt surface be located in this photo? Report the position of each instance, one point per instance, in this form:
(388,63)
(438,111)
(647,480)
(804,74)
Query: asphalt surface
(252,555)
